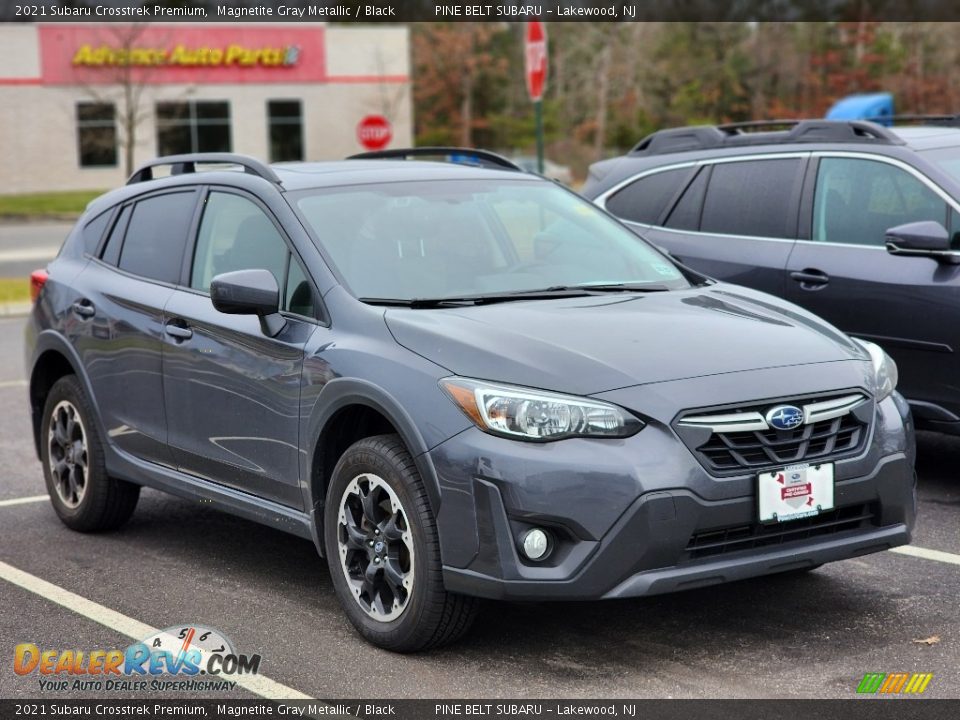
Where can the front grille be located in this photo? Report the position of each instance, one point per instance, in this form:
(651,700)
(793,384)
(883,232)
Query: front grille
(755,535)
(741,438)
(762,448)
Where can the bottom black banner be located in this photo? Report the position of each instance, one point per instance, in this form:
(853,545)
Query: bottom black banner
(854,709)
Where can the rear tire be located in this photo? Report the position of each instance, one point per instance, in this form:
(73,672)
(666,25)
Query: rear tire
(84,497)
(383,551)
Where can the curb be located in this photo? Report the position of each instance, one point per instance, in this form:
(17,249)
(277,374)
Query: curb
(15,309)
(39,219)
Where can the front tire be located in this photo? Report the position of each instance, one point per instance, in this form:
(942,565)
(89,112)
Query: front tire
(84,497)
(383,551)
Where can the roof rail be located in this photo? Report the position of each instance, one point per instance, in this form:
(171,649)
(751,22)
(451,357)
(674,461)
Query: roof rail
(460,155)
(765,132)
(183,164)
(939,120)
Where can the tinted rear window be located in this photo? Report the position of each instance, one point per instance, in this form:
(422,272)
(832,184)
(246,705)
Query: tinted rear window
(111,251)
(752,198)
(157,235)
(644,200)
(93,231)
(686,213)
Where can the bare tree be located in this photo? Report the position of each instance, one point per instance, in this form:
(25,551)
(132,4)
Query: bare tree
(124,86)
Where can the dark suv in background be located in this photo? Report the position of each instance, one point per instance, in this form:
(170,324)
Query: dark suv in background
(857,223)
(458,382)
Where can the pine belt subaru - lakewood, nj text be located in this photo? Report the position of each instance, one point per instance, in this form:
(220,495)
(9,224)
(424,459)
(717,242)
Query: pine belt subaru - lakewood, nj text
(458,381)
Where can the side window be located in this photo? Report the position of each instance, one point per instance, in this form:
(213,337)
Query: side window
(857,201)
(93,231)
(686,213)
(753,198)
(299,296)
(157,235)
(235,234)
(643,200)
(954,229)
(111,251)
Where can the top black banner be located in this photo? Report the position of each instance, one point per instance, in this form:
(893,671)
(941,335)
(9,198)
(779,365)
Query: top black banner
(371,11)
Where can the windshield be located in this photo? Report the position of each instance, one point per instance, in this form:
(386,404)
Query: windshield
(455,238)
(947,158)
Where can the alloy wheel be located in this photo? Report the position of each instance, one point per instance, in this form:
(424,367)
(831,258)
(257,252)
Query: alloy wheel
(376,547)
(67,456)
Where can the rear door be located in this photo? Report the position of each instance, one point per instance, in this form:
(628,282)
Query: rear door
(122,295)
(732,219)
(232,393)
(908,305)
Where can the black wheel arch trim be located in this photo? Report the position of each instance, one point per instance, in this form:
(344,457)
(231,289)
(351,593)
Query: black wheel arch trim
(338,394)
(52,341)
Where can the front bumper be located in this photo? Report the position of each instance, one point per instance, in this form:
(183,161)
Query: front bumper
(627,514)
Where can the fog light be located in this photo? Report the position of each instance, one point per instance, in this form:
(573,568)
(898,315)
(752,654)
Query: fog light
(536,544)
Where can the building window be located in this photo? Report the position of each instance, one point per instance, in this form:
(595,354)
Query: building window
(194,126)
(285,119)
(96,134)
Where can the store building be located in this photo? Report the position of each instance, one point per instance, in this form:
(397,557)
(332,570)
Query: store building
(70,94)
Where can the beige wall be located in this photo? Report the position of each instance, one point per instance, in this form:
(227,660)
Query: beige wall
(38,135)
(21,51)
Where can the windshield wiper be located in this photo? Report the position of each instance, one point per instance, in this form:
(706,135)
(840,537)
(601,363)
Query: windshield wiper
(615,287)
(419,303)
(550,293)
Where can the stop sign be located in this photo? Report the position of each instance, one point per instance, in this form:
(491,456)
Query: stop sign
(535,46)
(374,132)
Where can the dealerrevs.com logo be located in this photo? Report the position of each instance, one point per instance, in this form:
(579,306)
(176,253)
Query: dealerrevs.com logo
(177,659)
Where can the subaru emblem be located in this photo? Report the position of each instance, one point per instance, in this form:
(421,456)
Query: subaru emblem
(784,417)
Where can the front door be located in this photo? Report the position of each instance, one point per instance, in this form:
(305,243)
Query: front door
(233,393)
(910,306)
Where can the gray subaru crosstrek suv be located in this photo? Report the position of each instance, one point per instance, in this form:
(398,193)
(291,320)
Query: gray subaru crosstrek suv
(457,382)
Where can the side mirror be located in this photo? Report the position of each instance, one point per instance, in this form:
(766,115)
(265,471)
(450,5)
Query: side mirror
(249,292)
(921,239)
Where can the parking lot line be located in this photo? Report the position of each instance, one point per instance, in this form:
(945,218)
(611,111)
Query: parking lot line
(927,554)
(134,629)
(24,500)
(13,383)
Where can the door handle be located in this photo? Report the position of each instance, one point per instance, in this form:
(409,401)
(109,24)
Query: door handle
(178,332)
(810,279)
(83,308)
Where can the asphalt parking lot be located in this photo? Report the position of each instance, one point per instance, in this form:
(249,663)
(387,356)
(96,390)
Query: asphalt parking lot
(178,562)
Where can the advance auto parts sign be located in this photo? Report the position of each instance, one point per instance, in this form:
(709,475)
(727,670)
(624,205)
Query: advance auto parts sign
(189,57)
(181,54)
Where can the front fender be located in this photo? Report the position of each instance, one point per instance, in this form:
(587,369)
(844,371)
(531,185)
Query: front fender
(340,393)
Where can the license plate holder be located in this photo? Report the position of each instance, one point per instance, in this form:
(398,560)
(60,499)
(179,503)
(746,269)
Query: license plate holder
(795,492)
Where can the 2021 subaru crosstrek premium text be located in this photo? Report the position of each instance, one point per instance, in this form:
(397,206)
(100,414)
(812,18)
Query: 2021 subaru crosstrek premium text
(458,382)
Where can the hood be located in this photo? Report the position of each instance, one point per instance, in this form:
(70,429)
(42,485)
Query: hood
(595,344)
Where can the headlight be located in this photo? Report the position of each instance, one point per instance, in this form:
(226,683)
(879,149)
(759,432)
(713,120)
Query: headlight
(524,414)
(884,369)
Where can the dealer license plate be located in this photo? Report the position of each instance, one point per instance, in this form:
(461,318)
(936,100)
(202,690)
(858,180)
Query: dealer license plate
(795,492)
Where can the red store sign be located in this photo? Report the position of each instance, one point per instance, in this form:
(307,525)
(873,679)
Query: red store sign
(72,54)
